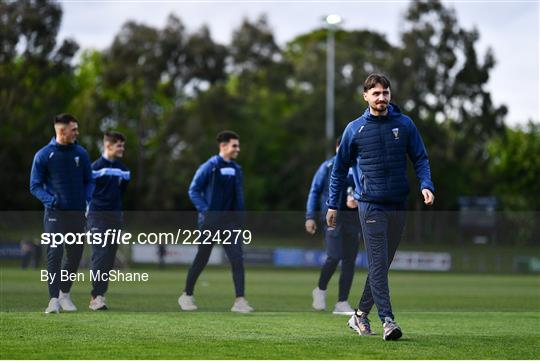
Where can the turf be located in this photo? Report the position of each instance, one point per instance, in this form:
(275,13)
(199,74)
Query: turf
(444,316)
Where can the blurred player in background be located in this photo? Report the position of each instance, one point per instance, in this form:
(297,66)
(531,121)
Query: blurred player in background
(341,242)
(217,192)
(376,146)
(105,211)
(61,178)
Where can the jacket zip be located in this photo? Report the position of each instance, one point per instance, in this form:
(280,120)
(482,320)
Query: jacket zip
(383,147)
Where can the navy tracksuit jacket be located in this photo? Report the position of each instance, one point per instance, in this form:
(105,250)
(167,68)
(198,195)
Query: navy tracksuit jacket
(217,189)
(318,193)
(316,208)
(111,180)
(61,177)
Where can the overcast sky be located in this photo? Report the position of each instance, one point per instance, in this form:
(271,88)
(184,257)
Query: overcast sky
(511,29)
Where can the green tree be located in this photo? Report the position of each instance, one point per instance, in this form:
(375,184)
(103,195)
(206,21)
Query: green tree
(37,83)
(514,167)
(170,91)
(148,76)
(440,83)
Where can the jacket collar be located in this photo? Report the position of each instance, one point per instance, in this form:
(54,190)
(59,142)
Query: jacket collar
(107,160)
(393,111)
(54,143)
(220,158)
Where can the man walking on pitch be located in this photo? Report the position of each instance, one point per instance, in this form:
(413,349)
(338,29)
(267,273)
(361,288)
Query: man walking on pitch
(341,242)
(376,146)
(216,191)
(105,212)
(61,178)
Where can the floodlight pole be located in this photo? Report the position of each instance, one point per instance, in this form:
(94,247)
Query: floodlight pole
(331,21)
(330,68)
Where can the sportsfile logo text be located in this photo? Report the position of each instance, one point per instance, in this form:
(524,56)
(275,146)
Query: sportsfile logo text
(119,237)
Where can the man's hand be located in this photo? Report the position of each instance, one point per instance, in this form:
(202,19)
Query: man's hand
(331,216)
(429,198)
(351,202)
(311,226)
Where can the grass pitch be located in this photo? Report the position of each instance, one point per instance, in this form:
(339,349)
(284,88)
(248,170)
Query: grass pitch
(443,316)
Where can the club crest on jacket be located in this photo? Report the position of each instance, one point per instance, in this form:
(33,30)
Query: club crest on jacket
(396,133)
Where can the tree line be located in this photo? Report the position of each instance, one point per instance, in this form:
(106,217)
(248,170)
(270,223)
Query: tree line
(170,91)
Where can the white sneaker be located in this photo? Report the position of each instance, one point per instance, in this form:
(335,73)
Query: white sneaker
(54,306)
(359,322)
(241,305)
(343,308)
(319,299)
(392,331)
(187,303)
(98,303)
(66,303)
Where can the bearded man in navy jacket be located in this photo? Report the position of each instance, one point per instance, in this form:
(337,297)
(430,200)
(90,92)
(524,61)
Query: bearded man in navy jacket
(217,192)
(376,146)
(61,178)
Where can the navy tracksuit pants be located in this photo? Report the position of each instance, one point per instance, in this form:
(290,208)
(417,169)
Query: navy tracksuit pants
(102,257)
(341,245)
(382,228)
(56,221)
(235,254)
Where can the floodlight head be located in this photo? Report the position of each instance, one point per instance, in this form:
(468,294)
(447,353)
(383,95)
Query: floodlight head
(333,19)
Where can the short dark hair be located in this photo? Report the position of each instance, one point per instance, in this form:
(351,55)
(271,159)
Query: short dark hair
(226,135)
(113,137)
(65,118)
(376,78)
(338,141)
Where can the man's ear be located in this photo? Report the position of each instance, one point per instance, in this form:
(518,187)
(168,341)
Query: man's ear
(365,96)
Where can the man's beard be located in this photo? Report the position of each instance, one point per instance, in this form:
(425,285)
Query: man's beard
(381,107)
